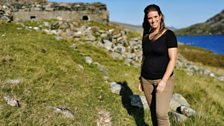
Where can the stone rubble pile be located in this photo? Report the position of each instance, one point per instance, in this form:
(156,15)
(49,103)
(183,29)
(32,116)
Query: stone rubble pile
(192,69)
(113,40)
(6,13)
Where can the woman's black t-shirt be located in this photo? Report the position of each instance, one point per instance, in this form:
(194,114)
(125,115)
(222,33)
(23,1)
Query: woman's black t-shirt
(156,56)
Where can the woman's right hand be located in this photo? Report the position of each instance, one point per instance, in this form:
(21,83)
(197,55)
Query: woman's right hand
(140,88)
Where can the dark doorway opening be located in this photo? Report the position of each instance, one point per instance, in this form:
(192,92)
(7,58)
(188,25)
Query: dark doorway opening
(85,18)
(32,17)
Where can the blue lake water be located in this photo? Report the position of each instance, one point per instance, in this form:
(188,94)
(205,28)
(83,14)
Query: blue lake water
(215,43)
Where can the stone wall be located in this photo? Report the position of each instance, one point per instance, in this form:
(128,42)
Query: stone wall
(65,15)
(21,1)
(65,11)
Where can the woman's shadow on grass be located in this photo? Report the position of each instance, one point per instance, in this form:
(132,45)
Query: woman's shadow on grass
(136,112)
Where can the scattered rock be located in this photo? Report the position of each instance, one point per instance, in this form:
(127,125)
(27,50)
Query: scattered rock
(115,88)
(221,78)
(58,38)
(178,100)
(187,111)
(103,118)
(88,60)
(102,69)
(36,29)
(65,111)
(16,81)
(179,107)
(177,117)
(74,46)
(11,101)
(43,50)
(80,67)
(192,69)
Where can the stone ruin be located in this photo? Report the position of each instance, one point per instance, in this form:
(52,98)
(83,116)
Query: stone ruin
(18,11)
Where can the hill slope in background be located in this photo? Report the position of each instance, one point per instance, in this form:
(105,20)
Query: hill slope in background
(214,25)
(54,73)
(135,28)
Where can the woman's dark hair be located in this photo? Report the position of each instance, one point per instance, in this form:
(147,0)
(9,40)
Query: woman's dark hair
(146,26)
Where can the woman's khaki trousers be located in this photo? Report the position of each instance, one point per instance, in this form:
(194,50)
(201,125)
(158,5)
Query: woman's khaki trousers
(158,102)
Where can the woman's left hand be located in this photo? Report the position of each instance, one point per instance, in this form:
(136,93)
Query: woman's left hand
(161,86)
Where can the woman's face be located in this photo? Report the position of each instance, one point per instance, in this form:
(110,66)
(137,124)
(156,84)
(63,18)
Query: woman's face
(154,19)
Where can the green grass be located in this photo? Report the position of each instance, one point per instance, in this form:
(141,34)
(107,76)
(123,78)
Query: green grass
(202,56)
(204,95)
(51,76)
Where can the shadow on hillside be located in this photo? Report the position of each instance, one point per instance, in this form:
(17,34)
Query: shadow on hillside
(136,112)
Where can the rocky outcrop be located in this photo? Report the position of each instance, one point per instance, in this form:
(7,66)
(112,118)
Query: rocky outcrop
(217,18)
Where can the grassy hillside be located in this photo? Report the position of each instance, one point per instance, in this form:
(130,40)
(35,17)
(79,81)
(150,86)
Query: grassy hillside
(202,56)
(51,76)
(213,25)
(137,28)
(201,29)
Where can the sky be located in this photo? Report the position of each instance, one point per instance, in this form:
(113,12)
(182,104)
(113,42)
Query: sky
(178,13)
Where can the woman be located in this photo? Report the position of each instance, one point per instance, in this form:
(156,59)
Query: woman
(159,46)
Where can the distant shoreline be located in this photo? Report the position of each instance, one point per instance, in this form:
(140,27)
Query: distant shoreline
(182,43)
(213,43)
